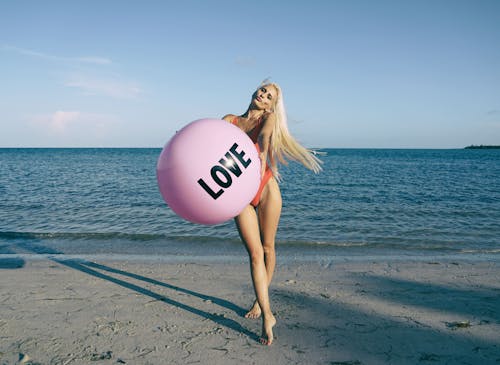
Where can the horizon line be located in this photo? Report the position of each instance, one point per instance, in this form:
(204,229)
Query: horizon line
(312,148)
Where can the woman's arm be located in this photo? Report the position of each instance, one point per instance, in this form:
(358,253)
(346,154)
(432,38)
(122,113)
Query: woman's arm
(265,139)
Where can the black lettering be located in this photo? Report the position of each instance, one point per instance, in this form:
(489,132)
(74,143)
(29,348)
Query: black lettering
(239,155)
(223,171)
(230,164)
(207,188)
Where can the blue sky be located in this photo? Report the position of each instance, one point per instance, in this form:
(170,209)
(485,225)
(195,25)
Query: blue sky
(374,74)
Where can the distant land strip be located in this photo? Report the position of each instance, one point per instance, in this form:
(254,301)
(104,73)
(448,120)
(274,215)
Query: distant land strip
(481,147)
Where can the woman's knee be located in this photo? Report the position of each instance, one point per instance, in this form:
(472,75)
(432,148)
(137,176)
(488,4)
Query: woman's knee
(256,255)
(268,248)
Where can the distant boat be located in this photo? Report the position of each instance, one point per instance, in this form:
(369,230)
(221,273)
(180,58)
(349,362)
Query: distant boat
(481,147)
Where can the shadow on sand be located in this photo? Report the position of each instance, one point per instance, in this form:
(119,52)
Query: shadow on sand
(7,262)
(361,333)
(91,268)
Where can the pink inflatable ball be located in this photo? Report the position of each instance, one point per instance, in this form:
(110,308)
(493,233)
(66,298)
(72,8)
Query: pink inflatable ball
(209,171)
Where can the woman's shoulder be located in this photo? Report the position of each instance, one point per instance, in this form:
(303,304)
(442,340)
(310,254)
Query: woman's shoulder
(269,117)
(229,118)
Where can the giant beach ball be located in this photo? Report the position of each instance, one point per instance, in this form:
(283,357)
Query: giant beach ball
(208,171)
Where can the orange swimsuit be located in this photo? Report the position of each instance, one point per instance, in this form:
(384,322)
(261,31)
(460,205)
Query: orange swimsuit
(254,136)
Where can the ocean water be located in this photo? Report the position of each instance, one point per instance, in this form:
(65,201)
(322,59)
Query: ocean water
(366,202)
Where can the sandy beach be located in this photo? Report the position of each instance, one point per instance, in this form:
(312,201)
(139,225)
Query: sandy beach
(353,312)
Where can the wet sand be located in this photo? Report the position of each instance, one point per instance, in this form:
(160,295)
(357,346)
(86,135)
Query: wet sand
(354,312)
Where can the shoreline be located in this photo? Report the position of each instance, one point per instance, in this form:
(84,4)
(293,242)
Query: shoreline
(284,259)
(372,311)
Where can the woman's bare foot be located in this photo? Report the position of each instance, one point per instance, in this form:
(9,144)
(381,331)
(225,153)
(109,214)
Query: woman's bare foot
(268,323)
(254,312)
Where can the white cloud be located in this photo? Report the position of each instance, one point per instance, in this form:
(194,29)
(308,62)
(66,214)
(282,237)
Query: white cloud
(105,84)
(59,121)
(75,125)
(53,58)
(113,87)
(95,60)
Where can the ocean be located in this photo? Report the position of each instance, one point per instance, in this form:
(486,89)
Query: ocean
(105,203)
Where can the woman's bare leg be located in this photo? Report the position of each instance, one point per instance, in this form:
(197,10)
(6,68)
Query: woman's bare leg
(269,212)
(248,228)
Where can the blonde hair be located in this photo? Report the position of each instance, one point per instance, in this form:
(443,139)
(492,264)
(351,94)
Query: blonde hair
(283,145)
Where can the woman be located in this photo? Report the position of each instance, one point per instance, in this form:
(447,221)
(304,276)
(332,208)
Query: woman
(265,123)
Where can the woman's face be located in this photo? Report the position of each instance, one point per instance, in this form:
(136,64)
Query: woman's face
(265,97)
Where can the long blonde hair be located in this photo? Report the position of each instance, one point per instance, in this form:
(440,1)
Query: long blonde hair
(283,145)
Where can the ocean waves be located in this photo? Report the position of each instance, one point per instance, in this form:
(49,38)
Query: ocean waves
(372,201)
(116,243)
